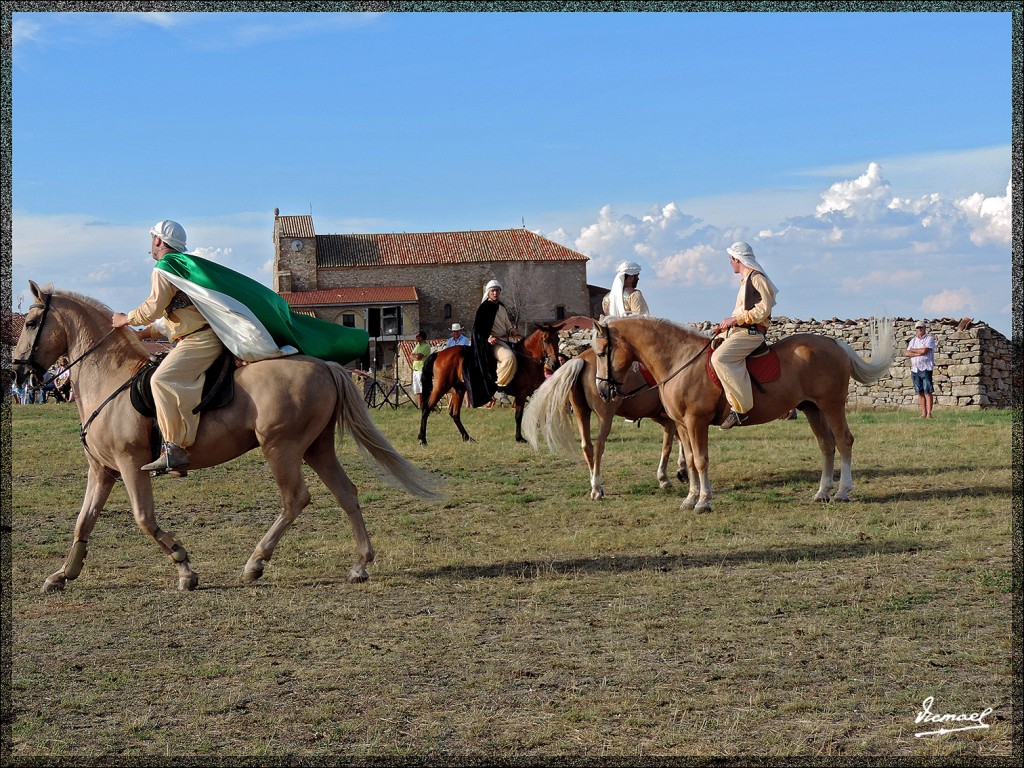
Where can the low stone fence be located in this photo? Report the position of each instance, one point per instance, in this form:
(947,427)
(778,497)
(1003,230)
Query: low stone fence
(972,360)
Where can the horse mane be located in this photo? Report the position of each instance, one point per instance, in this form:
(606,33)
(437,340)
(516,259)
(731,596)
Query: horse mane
(101,309)
(687,328)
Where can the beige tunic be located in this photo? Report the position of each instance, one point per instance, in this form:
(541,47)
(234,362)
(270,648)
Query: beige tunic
(178,381)
(730,359)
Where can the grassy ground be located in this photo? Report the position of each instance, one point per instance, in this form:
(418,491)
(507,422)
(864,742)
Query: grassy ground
(520,619)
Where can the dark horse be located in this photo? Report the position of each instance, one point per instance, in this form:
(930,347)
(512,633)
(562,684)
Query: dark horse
(290,408)
(445,371)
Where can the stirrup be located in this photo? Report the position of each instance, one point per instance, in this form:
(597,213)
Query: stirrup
(732,420)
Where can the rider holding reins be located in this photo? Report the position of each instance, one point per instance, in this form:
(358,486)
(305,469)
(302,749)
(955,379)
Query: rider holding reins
(178,381)
(743,331)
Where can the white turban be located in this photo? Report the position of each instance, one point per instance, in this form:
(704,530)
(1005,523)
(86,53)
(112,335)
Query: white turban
(617,303)
(744,254)
(172,233)
(491,284)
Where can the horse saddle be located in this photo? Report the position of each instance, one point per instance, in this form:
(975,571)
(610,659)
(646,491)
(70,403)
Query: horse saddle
(762,365)
(218,388)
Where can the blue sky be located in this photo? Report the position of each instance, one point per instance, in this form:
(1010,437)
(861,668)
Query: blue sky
(866,157)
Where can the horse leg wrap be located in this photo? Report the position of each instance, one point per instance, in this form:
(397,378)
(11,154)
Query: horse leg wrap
(75,560)
(170,546)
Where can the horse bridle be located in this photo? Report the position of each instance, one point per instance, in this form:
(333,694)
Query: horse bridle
(30,362)
(615,386)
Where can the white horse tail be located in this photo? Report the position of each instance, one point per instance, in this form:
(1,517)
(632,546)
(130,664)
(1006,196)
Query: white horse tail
(353,415)
(548,413)
(883,352)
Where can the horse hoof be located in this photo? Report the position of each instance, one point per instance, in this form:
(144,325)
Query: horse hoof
(252,573)
(423,441)
(688,504)
(702,507)
(665,484)
(822,497)
(52,585)
(188,583)
(357,575)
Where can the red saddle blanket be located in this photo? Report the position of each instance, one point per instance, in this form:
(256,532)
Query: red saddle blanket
(763,368)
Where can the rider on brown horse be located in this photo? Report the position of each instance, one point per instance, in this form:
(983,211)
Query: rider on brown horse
(494,361)
(743,331)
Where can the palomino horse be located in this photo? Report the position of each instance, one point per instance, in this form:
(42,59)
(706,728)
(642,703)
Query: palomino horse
(288,407)
(815,377)
(444,371)
(572,391)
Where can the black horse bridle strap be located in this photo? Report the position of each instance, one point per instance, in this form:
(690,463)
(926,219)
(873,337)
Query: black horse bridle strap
(668,378)
(111,396)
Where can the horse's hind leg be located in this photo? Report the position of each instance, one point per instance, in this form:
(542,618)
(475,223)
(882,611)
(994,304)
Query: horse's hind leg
(840,428)
(97,491)
(286,466)
(827,444)
(322,458)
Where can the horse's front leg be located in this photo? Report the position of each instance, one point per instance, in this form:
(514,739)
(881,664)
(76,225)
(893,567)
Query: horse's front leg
(696,436)
(519,421)
(140,493)
(97,491)
(455,411)
(603,429)
(666,451)
(286,465)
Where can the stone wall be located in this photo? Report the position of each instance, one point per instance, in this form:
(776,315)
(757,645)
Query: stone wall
(972,360)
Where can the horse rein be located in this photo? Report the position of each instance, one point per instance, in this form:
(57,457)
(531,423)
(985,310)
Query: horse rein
(615,386)
(37,369)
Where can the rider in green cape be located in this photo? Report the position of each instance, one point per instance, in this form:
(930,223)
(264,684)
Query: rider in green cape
(205,307)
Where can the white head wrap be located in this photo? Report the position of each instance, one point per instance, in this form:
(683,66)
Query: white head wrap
(744,254)
(491,284)
(172,233)
(616,303)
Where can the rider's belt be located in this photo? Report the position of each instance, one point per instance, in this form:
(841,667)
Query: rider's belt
(761,328)
(185,336)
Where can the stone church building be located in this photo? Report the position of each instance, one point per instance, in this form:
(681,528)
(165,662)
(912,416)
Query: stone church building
(395,284)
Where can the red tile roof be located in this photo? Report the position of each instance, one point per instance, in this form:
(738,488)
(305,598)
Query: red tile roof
(401,249)
(384,294)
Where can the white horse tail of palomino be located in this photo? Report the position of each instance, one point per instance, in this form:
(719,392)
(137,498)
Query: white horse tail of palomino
(547,414)
(883,352)
(353,416)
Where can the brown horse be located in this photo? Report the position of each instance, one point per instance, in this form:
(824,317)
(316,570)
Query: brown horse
(288,407)
(444,372)
(815,377)
(572,391)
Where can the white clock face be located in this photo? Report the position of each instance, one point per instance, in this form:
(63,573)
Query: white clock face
(296,245)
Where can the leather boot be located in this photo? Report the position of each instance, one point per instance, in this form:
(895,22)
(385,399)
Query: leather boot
(172,457)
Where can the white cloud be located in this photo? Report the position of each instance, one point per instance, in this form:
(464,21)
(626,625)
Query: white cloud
(870,282)
(950,303)
(699,265)
(862,249)
(864,197)
(990,217)
(24,30)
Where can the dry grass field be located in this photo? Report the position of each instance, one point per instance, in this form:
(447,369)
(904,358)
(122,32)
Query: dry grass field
(518,619)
